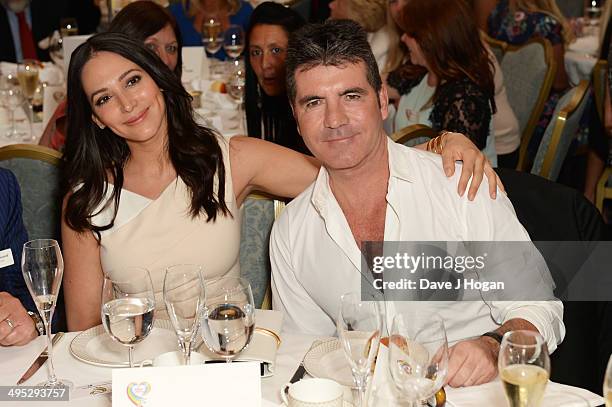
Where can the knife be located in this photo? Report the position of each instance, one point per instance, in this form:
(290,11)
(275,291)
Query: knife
(40,360)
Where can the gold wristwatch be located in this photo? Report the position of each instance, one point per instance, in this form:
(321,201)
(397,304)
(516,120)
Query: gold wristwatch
(40,327)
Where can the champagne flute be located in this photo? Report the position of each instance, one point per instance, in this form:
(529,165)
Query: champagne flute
(11,98)
(607,385)
(184,299)
(233,43)
(43,267)
(228,320)
(418,355)
(359,325)
(128,308)
(524,367)
(212,38)
(68,27)
(27,74)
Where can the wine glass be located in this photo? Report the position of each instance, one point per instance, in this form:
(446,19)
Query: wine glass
(68,27)
(43,266)
(212,38)
(359,325)
(607,384)
(228,320)
(128,308)
(27,74)
(236,88)
(184,299)
(524,367)
(233,43)
(11,98)
(418,355)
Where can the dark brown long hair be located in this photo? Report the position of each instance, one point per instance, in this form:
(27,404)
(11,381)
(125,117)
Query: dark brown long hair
(450,41)
(94,158)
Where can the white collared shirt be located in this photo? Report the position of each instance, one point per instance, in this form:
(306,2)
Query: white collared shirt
(315,258)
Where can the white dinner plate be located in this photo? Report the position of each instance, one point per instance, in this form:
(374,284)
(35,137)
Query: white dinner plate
(327,360)
(96,347)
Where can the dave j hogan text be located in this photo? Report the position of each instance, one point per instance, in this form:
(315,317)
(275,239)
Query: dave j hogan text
(425,284)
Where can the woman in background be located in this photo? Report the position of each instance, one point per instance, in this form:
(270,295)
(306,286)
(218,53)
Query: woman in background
(269,114)
(518,21)
(191,14)
(449,85)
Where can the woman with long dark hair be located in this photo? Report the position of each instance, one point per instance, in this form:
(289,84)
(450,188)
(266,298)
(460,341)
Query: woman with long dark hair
(450,81)
(144,184)
(268,112)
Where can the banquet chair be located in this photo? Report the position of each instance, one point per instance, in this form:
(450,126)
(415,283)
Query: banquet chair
(413,134)
(497,47)
(600,70)
(560,132)
(604,188)
(37,169)
(259,213)
(529,72)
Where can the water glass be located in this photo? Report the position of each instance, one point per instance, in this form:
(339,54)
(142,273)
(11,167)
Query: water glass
(359,325)
(524,367)
(128,308)
(12,98)
(228,319)
(184,299)
(233,43)
(418,355)
(43,267)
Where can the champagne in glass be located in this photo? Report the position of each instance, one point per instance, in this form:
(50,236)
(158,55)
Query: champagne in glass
(359,325)
(43,267)
(418,355)
(184,299)
(128,308)
(27,74)
(228,320)
(607,385)
(212,35)
(524,367)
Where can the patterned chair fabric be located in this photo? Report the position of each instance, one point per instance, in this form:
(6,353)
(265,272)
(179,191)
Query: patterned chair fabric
(257,221)
(38,173)
(560,132)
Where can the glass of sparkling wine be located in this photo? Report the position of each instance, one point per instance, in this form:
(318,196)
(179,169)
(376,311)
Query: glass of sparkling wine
(359,325)
(234,41)
(212,38)
(184,299)
(43,266)
(228,320)
(524,367)
(27,75)
(128,308)
(418,355)
(607,384)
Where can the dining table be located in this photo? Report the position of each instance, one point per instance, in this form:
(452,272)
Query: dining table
(15,360)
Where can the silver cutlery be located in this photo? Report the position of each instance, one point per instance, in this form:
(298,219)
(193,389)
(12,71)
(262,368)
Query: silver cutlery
(40,360)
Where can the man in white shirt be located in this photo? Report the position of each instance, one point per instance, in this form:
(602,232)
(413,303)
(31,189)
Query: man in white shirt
(371,189)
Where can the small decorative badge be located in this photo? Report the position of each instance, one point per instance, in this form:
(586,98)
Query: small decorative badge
(137,393)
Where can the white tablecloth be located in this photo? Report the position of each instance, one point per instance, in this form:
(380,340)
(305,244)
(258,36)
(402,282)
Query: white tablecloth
(580,58)
(15,360)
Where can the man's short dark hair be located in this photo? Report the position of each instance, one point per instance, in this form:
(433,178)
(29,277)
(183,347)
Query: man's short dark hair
(333,43)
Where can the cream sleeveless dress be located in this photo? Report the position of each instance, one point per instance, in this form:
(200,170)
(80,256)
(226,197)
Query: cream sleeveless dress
(156,234)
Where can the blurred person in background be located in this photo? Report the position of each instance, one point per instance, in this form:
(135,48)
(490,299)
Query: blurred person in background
(191,14)
(23,23)
(269,114)
(372,16)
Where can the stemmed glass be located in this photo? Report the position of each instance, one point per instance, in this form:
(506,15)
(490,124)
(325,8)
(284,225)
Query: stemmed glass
(11,98)
(607,384)
(233,43)
(228,320)
(128,308)
(184,299)
(359,325)
(43,266)
(524,367)
(27,74)
(236,88)
(212,38)
(418,355)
